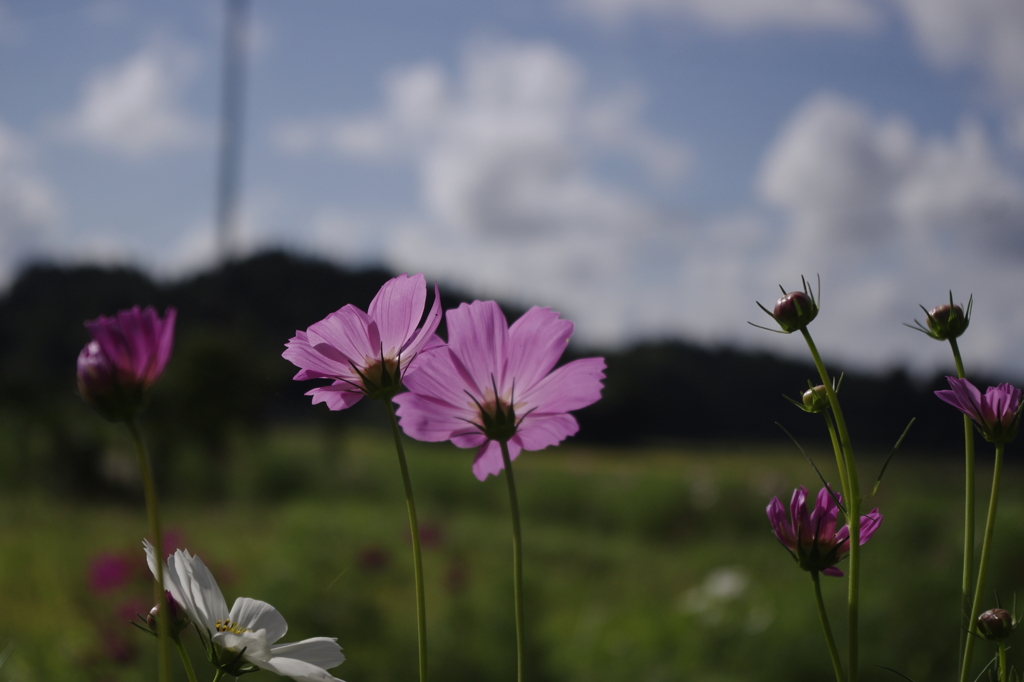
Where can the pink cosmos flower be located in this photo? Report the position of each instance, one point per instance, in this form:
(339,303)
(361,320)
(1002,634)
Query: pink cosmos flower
(367,353)
(812,538)
(127,354)
(492,383)
(996,414)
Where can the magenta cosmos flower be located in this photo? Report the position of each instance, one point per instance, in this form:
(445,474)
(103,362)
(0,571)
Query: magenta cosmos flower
(493,383)
(367,353)
(996,414)
(812,538)
(127,354)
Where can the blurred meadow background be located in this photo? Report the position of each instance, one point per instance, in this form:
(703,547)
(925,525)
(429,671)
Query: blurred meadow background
(649,168)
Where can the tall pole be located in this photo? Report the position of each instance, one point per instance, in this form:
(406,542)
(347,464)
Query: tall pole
(232,99)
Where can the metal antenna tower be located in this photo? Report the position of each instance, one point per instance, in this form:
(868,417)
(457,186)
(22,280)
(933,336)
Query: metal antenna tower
(236,22)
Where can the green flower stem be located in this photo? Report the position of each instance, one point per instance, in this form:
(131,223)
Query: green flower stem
(840,457)
(414,529)
(1004,674)
(986,550)
(969,485)
(517,557)
(153,512)
(852,494)
(832,650)
(185,660)
(219,674)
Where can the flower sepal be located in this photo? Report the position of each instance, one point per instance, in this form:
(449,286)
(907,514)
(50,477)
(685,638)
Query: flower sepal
(946,321)
(794,310)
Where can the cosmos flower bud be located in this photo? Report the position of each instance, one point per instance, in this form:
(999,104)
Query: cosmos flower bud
(815,399)
(996,624)
(127,354)
(177,619)
(947,322)
(794,311)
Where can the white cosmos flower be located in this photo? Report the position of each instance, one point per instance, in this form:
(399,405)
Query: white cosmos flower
(244,636)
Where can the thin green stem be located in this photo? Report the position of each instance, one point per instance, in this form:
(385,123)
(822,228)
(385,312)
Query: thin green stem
(969,504)
(185,660)
(832,650)
(517,557)
(852,495)
(1004,674)
(414,529)
(219,674)
(153,513)
(986,550)
(837,448)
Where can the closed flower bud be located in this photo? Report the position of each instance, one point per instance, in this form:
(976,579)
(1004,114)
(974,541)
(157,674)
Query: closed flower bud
(947,322)
(996,624)
(794,311)
(177,619)
(816,399)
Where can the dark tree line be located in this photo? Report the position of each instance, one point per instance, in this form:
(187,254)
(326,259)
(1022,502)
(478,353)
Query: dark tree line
(227,371)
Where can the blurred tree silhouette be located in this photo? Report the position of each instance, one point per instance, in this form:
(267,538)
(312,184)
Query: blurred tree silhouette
(227,373)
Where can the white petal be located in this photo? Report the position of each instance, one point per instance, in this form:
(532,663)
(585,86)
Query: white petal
(253,614)
(297,670)
(173,576)
(206,595)
(257,651)
(319,651)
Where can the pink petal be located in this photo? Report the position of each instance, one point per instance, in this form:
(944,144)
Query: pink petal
(338,396)
(833,571)
(540,431)
(137,326)
(347,335)
(107,333)
(535,342)
(869,523)
(165,341)
(397,309)
(478,336)
(488,460)
(568,388)
(782,529)
(425,337)
(469,438)
(799,516)
(963,396)
(427,418)
(440,375)
(313,364)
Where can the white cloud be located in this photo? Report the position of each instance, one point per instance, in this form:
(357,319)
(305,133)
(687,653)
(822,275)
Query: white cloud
(29,210)
(511,206)
(739,15)
(134,109)
(890,218)
(509,199)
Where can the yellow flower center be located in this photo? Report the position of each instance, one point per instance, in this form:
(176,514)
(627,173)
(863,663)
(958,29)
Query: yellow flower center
(230,626)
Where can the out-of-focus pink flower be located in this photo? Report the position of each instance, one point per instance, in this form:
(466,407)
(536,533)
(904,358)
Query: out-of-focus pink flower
(812,538)
(493,383)
(996,413)
(111,571)
(367,353)
(127,354)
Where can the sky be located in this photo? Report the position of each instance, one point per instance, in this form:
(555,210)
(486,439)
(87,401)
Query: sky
(649,168)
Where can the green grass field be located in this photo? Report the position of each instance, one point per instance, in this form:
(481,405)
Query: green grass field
(650,565)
